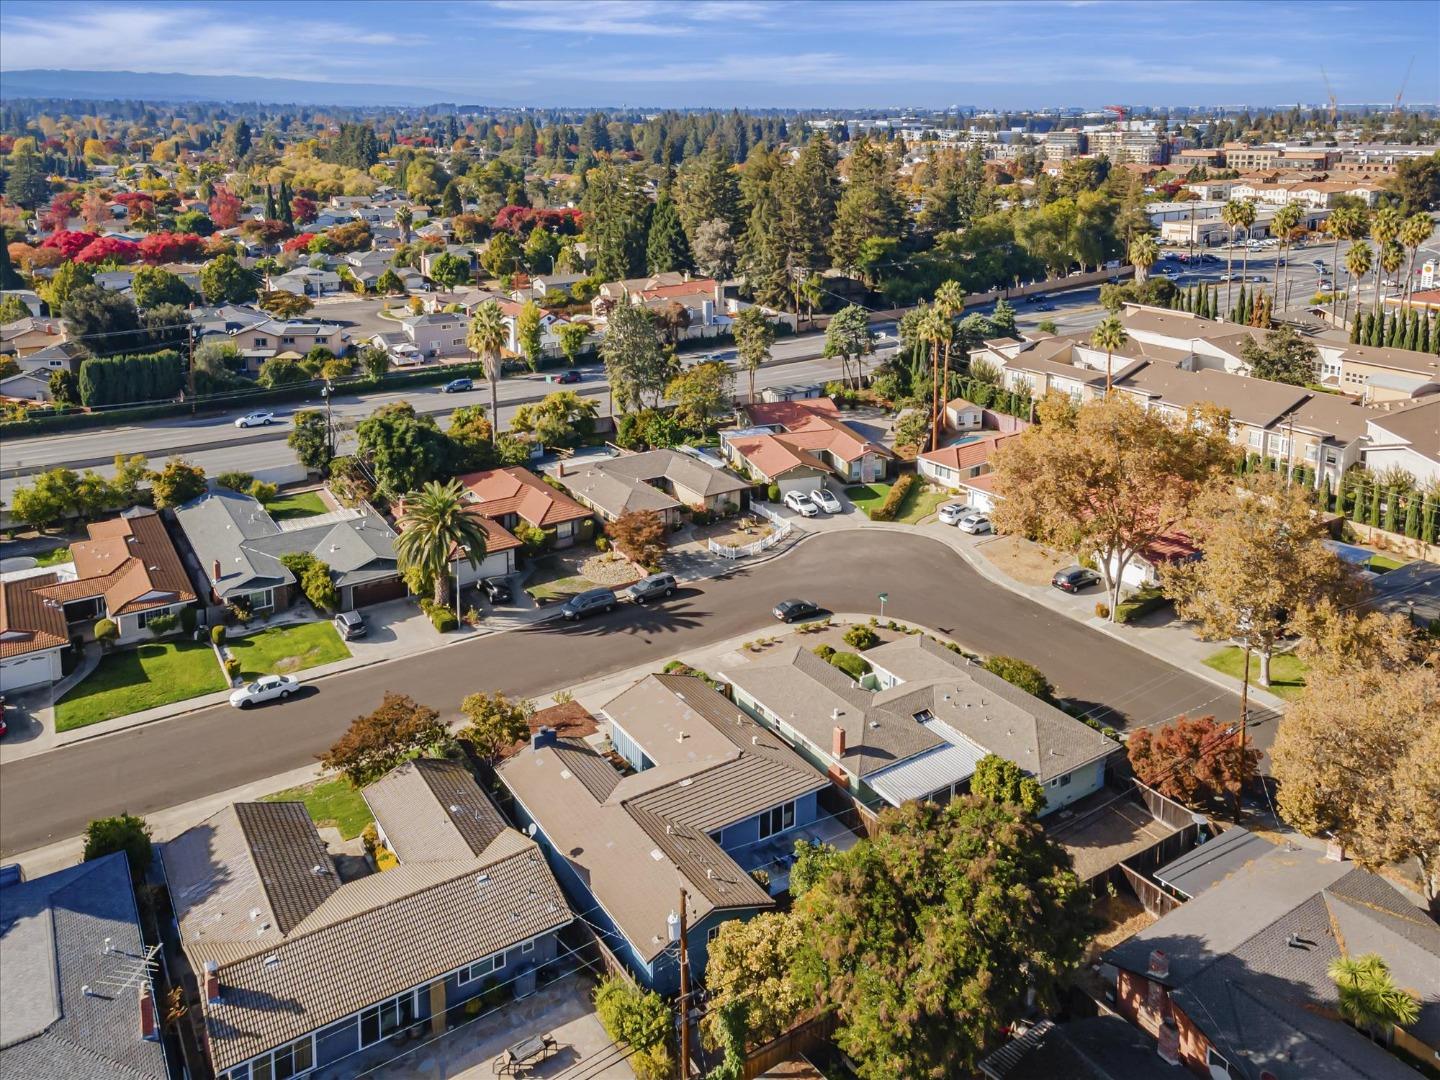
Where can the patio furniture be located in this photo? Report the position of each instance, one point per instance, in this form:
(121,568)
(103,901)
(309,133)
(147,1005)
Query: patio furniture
(523,1056)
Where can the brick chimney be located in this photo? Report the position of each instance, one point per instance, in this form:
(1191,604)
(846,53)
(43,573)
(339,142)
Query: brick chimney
(837,742)
(1167,1043)
(1335,851)
(1159,966)
(149,1030)
(215,570)
(212,983)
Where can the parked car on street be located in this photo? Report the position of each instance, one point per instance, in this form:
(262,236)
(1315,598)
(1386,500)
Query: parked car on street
(974,523)
(951,513)
(259,418)
(801,504)
(588,603)
(825,499)
(571,376)
(652,588)
(351,625)
(787,611)
(496,591)
(266,688)
(1074,578)
(457,386)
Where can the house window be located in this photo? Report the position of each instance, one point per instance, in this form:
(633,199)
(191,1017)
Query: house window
(285,1061)
(481,969)
(777,819)
(287,341)
(711,935)
(1065,780)
(1218,1066)
(142,620)
(383,1020)
(1312,451)
(528,947)
(1257,439)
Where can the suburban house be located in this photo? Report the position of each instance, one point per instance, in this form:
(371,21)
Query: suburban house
(260,339)
(511,495)
(957,465)
(665,481)
(305,281)
(25,336)
(57,356)
(238,546)
(709,796)
(1096,1048)
(706,306)
(437,335)
(962,416)
(1406,439)
(29,385)
(796,444)
(1234,981)
(81,998)
(542,285)
(916,726)
(302,964)
(128,571)
(500,548)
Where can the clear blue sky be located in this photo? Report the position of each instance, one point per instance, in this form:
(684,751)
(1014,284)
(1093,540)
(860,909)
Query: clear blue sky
(772,53)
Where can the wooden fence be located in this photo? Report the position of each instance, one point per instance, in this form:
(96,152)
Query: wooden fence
(1154,899)
(801,1039)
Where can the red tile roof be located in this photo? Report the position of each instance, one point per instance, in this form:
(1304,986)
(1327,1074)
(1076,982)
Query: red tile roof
(966,455)
(774,456)
(821,432)
(27,623)
(517,490)
(786,413)
(131,562)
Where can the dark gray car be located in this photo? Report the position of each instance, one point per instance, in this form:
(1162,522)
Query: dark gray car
(652,588)
(588,602)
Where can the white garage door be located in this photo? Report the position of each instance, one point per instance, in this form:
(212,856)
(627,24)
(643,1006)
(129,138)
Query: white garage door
(26,671)
(798,483)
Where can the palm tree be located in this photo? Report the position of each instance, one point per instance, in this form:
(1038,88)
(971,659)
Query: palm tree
(1392,258)
(1247,219)
(1357,264)
(1413,233)
(1384,228)
(488,335)
(437,522)
(949,304)
(1143,255)
(1233,214)
(1370,998)
(1109,335)
(937,330)
(403,217)
(1346,223)
(1287,220)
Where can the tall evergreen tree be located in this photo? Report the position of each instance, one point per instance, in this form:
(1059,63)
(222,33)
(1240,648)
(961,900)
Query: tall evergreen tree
(666,249)
(269,203)
(706,188)
(869,206)
(287,212)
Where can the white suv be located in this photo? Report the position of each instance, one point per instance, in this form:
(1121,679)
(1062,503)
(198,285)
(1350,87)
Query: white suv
(801,504)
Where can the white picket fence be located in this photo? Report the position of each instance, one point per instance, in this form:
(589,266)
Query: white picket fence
(781,531)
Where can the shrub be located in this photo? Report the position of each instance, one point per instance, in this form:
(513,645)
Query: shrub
(370,837)
(824,652)
(443,619)
(638,1017)
(385,859)
(1023,675)
(533,537)
(105,630)
(126,833)
(1102,609)
(889,510)
(217,634)
(861,637)
(240,611)
(602,544)
(1141,602)
(851,663)
(188,616)
(160,625)
(235,481)
(232,667)
(772,493)
(262,491)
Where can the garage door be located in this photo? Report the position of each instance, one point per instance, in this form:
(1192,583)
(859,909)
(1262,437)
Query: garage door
(798,483)
(26,671)
(377,592)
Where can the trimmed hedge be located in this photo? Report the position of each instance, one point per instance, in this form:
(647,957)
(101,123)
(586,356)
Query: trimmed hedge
(853,664)
(889,510)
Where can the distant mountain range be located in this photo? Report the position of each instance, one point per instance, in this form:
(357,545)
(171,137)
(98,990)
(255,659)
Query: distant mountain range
(174,86)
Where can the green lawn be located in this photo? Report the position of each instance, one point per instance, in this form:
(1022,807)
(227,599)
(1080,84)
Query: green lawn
(283,650)
(53,558)
(1287,672)
(868,496)
(297,505)
(1381,563)
(560,588)
(330,802)
(136,679)
(918,504)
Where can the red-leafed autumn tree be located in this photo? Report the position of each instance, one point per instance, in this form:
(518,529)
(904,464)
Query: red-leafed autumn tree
(164,247)
(640,536)
(303,210)
(1192,761)
(225,208)
(376,742)
(69,243)
(108,248)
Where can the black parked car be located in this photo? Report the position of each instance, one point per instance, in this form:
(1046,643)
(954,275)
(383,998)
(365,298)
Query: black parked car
(789,610)
(1074,578)
(496,591)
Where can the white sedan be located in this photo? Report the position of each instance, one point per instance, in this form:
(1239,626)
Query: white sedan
(825,499)
(951,513)
(801,504)
(266,688)
(260,418)
(974,523)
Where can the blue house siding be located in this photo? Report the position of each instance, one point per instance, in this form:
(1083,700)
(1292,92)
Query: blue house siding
(1074,786)
(629,749)
(736,839)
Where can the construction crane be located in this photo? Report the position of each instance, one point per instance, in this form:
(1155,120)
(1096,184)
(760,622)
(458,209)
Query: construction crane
(1403,83)
(1330,93)
(1119,111)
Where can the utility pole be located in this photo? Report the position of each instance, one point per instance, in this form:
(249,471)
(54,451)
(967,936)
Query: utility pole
(684,990)
(1244,725)
(190,382)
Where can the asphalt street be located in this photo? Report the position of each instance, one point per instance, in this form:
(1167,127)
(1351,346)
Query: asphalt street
(52,796)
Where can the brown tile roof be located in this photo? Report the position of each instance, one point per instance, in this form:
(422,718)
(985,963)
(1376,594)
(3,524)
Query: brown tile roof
(822,432)
(968,455)
(431,809)
(286,850)
(786,413)
(131,562)
(773,456)
(27,623)
(519,491)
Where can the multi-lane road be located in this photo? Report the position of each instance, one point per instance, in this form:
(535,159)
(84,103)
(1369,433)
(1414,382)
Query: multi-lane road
(51,796)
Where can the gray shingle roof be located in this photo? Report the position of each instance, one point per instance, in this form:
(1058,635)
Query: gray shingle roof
(635,481)
(361,942)
(1248,959)
(1099,1048)
(1212,862)
(53,931)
